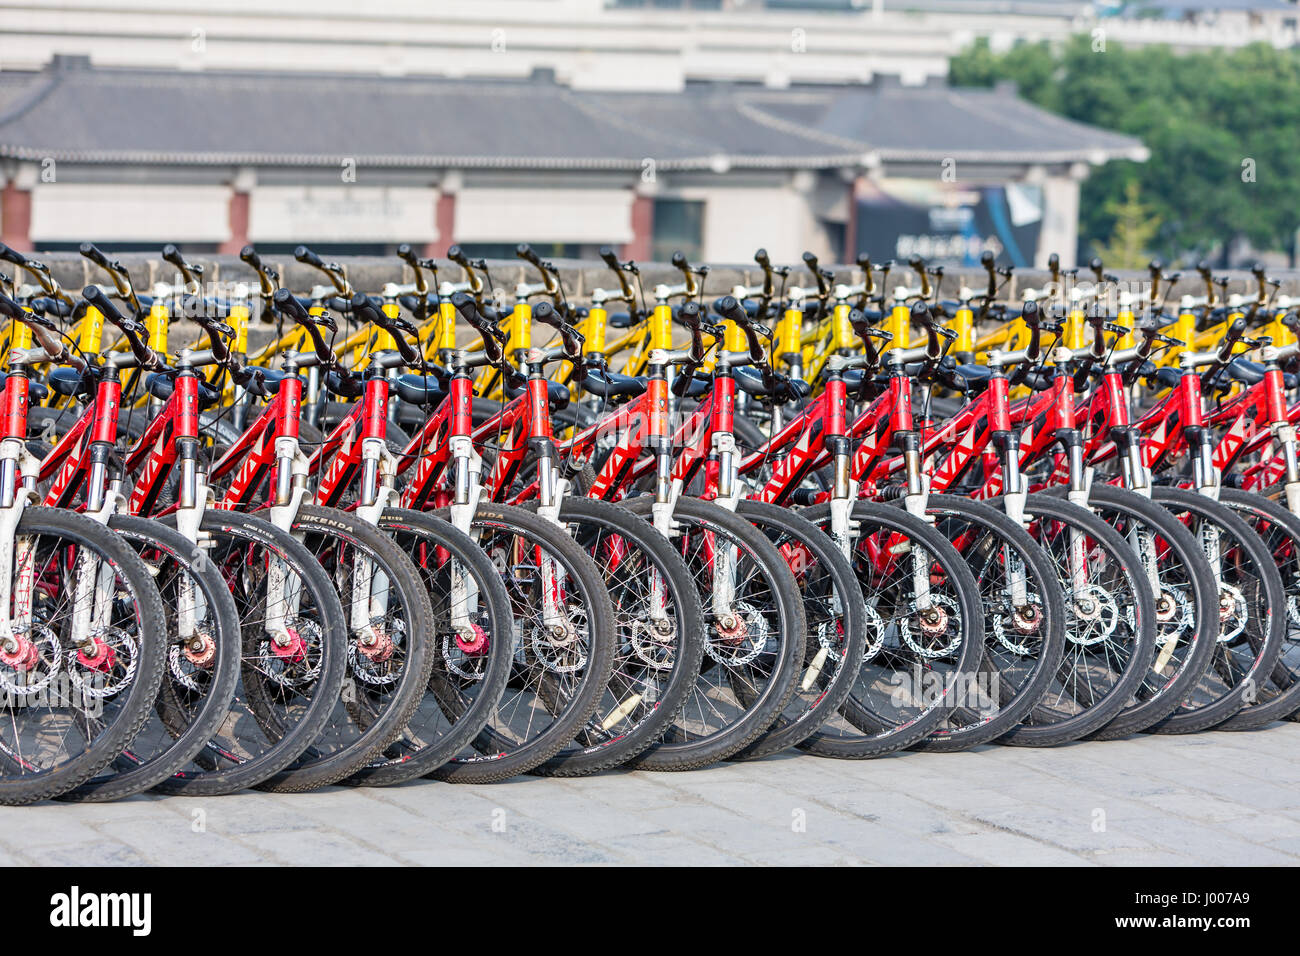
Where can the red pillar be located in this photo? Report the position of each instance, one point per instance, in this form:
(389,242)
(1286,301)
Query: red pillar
(238,224)
(16,217)
(444,217)
(643,229)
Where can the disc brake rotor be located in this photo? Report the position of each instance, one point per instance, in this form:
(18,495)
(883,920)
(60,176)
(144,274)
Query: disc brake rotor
(1007,611)
(751,643)
(286,672)
(24,682)
(652,648)
(560,658)
(375,672)
(94,682)
(1096,608)
(1232,620)
(951,617)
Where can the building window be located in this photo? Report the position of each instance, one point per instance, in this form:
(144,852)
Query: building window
(678,227)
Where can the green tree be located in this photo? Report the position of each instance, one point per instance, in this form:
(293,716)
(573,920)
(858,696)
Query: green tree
(1136,226)
(1201,115)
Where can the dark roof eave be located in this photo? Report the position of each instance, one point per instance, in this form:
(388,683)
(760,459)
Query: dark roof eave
(1135,152)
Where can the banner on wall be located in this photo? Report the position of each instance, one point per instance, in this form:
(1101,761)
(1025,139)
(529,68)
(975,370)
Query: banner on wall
(948,223)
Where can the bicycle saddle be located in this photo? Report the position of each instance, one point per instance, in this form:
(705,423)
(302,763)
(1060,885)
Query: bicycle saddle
(614,386)
(343,387)
(264,382)
(1165,377)
(1247,372)
(68,382)
(557,395)
(750,381)
(161,385)
(422,389)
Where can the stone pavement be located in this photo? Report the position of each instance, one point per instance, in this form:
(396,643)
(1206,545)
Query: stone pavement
(1203,799)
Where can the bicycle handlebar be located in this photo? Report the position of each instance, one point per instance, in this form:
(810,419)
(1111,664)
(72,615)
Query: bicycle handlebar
(286,303)
(1230,338)
(493,337)
(681,265)
(367,309)
(333,271)
(611,260)
(147,357)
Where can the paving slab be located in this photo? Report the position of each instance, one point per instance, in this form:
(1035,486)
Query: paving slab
(1212,798)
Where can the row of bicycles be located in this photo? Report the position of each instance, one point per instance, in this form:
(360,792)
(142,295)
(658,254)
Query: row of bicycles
(440,530)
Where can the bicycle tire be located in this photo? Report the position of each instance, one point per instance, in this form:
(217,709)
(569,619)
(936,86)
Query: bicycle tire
(376,704)
(833,643)
(228,762)
(1126,647)
(137,660)
(1186,604)
(638,663)
(496,756)
(425,745)
(684,747)
(1210,703)
(181,725)
(1278,697)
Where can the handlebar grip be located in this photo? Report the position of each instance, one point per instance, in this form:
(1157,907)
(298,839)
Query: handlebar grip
(307,257)
(407,255)
(528,254)
(921,313)
(987,259)
(607,256)
(95,255)
(729,308)
(249,254)
(1231,338)
(286,302)
(761,258)
(12,255)
(9,307)
(173,255)
(465,307)
(96,297)
(545,313)
(365,309)
(457,255)
(689,314)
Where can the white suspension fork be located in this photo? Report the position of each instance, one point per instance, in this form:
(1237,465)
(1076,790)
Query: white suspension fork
(467,472)
(552,489)
(283,588)
(1285,435)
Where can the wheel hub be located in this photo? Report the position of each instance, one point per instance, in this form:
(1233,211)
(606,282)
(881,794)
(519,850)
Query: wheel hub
(472,640)
(103,659)
(292,650)
(201,651)
(19,653)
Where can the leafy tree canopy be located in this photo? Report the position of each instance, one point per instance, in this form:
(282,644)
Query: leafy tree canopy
(1221,127)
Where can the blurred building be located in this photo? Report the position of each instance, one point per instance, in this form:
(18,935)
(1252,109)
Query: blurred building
(569,124)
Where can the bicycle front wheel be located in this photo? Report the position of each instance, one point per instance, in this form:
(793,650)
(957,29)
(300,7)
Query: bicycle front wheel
(84,659)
